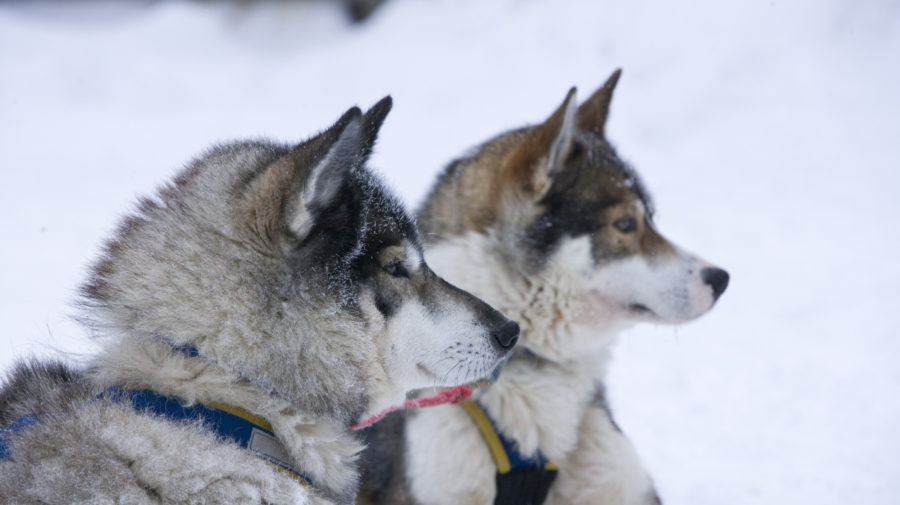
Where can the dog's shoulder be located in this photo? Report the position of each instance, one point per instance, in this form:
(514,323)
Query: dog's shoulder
(129,455)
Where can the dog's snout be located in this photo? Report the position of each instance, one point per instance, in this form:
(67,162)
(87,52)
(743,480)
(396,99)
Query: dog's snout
(506,334)
(717,280)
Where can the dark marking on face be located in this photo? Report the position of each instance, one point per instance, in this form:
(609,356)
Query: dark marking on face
(588,196)
(387,303)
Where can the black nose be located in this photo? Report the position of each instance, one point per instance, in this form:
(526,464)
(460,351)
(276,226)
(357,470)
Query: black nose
(506,334)
(717,279)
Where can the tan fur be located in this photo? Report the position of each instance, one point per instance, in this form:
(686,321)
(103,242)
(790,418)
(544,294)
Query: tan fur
(593,112)
(482,194)
(523,168)
(645,241)
(509,171)
(263,208)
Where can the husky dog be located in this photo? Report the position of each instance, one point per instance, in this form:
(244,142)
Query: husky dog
(548,224)
(280,285)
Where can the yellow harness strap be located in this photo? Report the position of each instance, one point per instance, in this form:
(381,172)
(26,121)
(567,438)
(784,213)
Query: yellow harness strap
(501,459)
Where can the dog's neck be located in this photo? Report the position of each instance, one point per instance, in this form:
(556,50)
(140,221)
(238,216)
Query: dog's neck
(539,404)
(541,394)
(322,448)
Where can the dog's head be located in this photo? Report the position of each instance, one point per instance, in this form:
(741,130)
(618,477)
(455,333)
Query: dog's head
(293,267)
(564,210)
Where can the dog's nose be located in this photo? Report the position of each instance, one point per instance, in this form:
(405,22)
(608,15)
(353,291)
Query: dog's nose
(506,334)
(717,280)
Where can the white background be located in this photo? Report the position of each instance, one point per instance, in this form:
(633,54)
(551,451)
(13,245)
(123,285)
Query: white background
(767,131)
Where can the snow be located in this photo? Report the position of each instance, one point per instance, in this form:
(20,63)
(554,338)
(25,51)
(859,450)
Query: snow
(767,131)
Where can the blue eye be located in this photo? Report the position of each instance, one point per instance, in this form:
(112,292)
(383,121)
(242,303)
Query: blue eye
(626,224)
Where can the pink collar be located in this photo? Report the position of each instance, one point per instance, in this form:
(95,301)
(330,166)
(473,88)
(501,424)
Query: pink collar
(455,395)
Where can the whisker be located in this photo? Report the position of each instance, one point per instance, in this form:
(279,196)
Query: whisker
(446,376)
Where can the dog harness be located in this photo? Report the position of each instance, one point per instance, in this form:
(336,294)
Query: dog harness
(18,425)
(247,430)
(253,433)
(520,480)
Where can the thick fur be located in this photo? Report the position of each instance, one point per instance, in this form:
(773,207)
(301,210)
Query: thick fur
(549,225)
(300,281)
(40,388)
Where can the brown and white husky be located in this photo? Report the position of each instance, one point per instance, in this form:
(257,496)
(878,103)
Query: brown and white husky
(550,226)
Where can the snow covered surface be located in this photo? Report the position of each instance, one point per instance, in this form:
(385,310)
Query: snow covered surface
(768,131)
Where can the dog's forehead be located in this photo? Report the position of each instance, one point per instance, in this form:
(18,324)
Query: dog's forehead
(406,249)
(388,223)
(392,227)
(601,173)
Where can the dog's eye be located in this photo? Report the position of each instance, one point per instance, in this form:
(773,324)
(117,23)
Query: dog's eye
(625,224)
(396,269)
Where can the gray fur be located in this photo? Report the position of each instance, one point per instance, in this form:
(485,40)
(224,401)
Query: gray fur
(40,387)
(268,259)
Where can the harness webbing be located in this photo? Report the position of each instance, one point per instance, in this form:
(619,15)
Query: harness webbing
(251,432)
(520,480)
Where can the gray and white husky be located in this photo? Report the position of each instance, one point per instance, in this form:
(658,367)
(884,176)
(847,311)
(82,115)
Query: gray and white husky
(550,226)
(276,289)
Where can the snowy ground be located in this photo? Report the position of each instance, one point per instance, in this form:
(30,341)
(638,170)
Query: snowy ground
(767,130)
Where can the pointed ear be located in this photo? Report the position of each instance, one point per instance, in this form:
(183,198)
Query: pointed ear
(593,113)
(335,153)
(564,124)
(544,149)
(371,123)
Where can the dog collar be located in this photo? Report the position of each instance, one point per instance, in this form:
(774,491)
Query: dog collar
(452,396)
(251,432)
(519,479)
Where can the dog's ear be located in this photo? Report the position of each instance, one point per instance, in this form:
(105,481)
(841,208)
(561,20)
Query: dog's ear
(593,113)
(543,150)
(351,141)
(371,123)
(329,158)
(293,190)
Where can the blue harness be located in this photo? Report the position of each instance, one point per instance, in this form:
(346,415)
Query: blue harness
(18,425)
(252,433)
